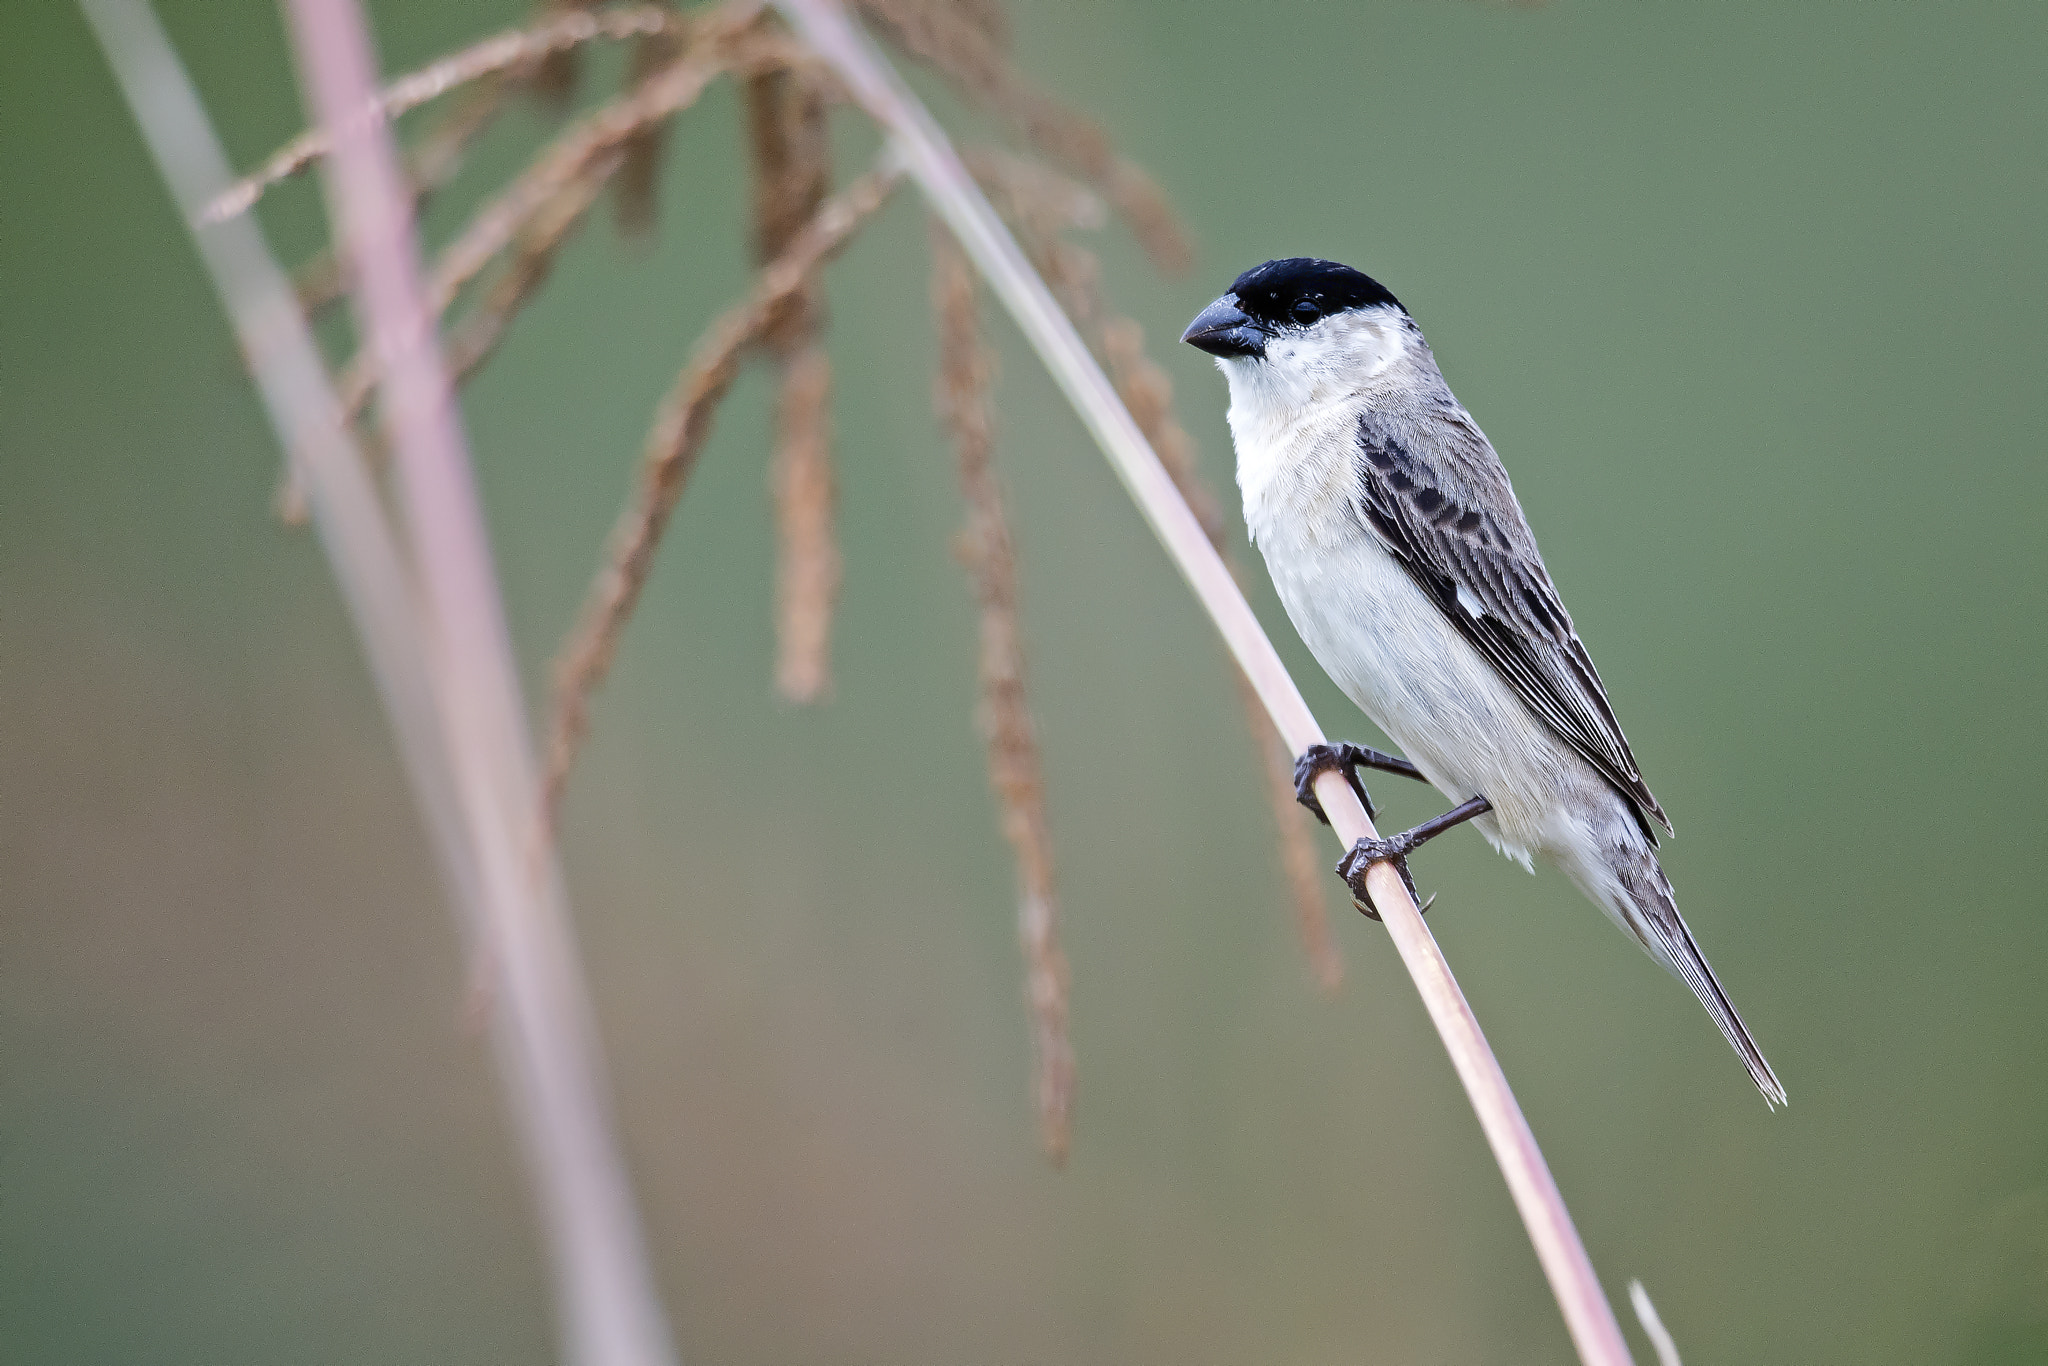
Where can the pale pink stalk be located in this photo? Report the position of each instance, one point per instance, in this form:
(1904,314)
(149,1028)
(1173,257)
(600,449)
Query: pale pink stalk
(571,1151)
(292,381)
(932,162)
(542,1021)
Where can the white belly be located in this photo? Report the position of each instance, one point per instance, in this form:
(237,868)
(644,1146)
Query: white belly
(1392,651)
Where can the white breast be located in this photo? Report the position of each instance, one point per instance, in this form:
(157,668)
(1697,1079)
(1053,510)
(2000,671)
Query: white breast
(1384,642)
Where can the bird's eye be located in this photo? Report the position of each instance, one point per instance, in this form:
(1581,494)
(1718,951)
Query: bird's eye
(1307,310)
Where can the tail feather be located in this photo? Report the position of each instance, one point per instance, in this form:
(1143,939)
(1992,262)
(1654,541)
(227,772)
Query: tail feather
(1663,932)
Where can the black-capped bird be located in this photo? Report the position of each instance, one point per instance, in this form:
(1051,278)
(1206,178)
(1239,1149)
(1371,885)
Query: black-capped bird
(1396,544)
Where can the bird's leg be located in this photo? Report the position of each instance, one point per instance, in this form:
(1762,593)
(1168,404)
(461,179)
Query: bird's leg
(1347,759)
(1396,848)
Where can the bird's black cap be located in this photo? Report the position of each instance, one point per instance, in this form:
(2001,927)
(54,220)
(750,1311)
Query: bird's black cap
(1269,293)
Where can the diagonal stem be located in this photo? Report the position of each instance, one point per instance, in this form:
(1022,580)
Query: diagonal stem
(542,1020)
(514,922)
(304,411)
(932,162)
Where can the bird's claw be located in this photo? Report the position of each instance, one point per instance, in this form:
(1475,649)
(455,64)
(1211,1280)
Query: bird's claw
(1347,759)
(1355,864)
(1395,849)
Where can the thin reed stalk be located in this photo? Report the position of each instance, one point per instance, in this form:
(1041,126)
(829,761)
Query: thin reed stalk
(966,372)
(430,164)
(320,282)
(931,161)
(1660,1338)
(291,380)
(542,1022)
(544,1037)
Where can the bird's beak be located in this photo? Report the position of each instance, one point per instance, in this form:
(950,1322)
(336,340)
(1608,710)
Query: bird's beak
(1222,329)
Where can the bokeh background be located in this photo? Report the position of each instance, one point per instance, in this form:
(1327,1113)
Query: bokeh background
(1748,295)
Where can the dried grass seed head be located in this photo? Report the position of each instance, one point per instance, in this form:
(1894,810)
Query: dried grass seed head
(961,395)
(942,36)
(505,52)
(681,425)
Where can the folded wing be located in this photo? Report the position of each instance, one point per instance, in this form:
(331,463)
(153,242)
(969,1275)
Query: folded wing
(1452,521)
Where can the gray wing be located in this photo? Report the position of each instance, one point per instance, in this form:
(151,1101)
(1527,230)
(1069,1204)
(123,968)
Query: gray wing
(1453,523)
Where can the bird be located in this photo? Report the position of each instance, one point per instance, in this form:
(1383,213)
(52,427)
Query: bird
(1394,540)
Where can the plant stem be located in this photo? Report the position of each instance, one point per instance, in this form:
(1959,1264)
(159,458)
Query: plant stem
(542,1020)
(932,162)
(291,380)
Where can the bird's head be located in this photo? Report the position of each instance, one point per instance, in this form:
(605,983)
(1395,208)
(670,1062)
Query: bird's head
(1303,325)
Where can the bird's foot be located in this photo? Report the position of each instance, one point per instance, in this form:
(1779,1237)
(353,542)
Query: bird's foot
(1396,848)
(1347,759)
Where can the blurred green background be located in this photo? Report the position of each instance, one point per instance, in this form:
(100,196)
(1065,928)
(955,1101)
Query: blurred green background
(1750,298)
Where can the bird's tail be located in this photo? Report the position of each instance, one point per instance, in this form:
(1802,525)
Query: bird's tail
(1654,919)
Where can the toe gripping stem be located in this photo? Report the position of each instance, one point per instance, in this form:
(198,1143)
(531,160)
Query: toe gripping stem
(1346,758)
(1396,848)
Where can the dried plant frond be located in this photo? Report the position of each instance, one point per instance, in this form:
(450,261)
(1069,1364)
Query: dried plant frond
(1031,195)
(534,248)
(557,73)
(673,444)
(944,37)
(1035,202)
(1150,216)
(430,164)
(505,52)
(320,283)
(990,17)
(433,160)
(720,44)
(1075,275)
(937,33)
(579,152)
(1041,206)
(966,368)
(808,566)
(471,342)
(637,194)
(790,151)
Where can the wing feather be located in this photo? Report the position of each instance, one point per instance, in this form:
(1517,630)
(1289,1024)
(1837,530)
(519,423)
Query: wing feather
(1455,526)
